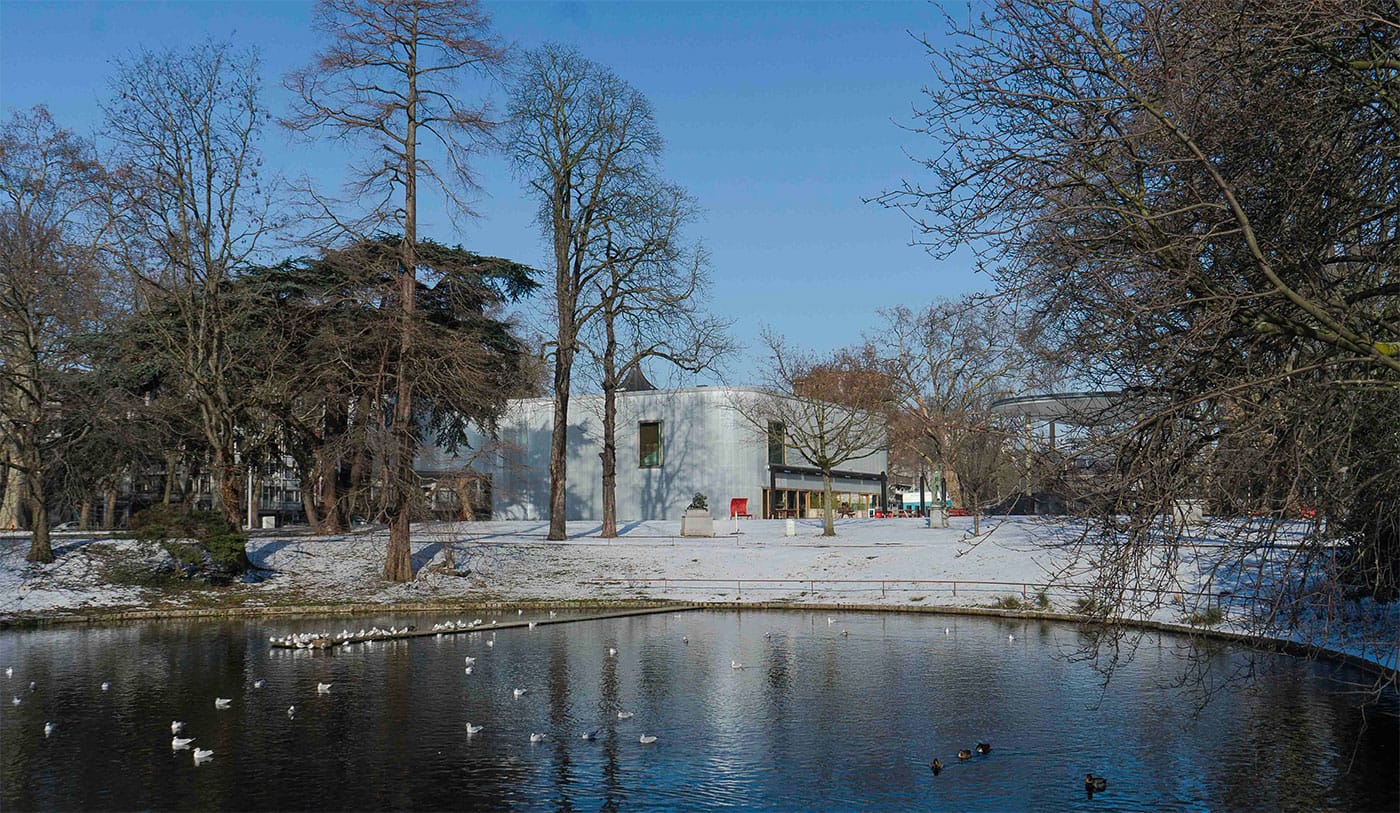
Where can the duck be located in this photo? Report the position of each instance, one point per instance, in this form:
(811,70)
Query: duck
(984,748)
(647,739)
(180,743)
(1093,783)
(474,729)
(937,766)
(222,702)
(964,754)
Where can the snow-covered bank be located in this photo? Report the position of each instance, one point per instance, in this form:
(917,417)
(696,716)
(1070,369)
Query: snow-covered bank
(881,562)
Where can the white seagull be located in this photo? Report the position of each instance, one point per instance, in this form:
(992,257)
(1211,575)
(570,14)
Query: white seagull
(291,711)
(221,702)
(1010,638)
(17,701)
(532,625)
(624,715)
(202,755)
(474,729)
(519,693)
(467,670)
(48,729)
(180,743)
(9,671)
(735,665)
(176,726)
(259,683)
(536,738)
(647,739)
(612,651)
(589,735)
(553,614)
(324,688)
(469,660)
(106,685)
(491,642)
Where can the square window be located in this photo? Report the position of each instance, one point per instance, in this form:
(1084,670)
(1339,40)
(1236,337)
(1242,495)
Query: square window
(650,432)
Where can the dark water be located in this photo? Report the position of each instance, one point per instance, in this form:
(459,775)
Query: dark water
(817,720)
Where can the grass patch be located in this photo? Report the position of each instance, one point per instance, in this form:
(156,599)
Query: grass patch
(1208,617)
(1086,606)
(1009,603)
(1042,600)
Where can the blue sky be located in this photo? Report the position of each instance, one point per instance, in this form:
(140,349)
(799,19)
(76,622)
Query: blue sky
(779,118)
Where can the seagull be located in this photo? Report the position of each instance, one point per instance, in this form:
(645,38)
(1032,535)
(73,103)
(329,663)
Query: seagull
(624,715)
(259,683)
(612,651)
(33,686)
(768,634)
(830,620)
(947,631)
(685,639)
(9,671)
(221,702)
(845,633)
(519,693)
(467,670)
(553,614)
(17,701)
(324,688)
(106,685)
(176,726)
(735,665)
(48,729)
(589,735)
(536,738)
(474,729)
(291,711)
(532,625)
(519,612)
(647,739)
(469,660)
(180,743)
(1010,638)
(491,642)
(202,754)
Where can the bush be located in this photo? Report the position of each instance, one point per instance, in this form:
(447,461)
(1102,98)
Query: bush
(1205,618)
(1009,603)
(1042,600)
(1086,606)
(203,543)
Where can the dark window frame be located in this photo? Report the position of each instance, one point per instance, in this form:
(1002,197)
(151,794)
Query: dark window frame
(660,451)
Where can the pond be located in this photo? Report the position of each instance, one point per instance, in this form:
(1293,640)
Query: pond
(829,711)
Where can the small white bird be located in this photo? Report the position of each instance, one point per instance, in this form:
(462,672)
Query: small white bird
(624,715)
(845,633)
(685,639)
(176,726)
(491,643)
(291,711)
(536,738)
(589,735)
(48,729)
(17,701)
(519,693)
(519,612)
(532,625)
(735,665)
(468,670)
(33,686)
(612,651)
(947,631)
(474,729)
(259,683)
(202,755)
(222,702)
(9,671)
(106,685)
(469,660)
(830,620)
(180,743)
(1010,638)
(324,688)
(553,614)
(647,739)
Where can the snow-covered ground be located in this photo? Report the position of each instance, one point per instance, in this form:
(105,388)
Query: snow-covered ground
(889,562)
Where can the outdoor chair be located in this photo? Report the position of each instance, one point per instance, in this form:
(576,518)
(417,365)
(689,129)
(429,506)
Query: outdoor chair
(739,507)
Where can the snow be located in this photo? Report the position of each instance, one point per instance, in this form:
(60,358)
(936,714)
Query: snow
(873,562)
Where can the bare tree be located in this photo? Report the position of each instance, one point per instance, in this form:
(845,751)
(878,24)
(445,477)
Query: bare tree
(1199,203)
(582,138)
(389,79)
(946,364)
(649,306)
(829,409)
(52,285)
(184,125)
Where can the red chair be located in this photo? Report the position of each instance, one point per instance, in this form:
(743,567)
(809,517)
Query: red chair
(739,507)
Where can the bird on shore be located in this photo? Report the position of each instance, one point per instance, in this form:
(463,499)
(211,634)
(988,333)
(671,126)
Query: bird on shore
(964,754)
(222,702)
(176,726)
(474,729)
(937,766)
(203,755)
(324,688)
(48,729)
(647,739)
(180,743)
(1094,783)
(984,748)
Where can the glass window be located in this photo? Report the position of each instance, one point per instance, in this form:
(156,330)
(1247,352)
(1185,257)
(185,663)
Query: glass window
(651,444)
(777,443)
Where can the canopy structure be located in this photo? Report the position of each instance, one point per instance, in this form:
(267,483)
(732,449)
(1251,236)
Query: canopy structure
(1076,408)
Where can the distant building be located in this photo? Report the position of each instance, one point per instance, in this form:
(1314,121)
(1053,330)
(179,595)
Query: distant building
(670,444)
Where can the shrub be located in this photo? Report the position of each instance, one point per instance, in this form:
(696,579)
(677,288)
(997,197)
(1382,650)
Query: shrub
(1042,600)
(1009,603)
(1205,618)
(699,502)
(1086,606)
(203,543)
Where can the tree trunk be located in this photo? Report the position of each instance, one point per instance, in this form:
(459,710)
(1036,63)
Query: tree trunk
(171,472)
(609,455)
(559,443)
(11,483)
(829,512)
(40,549)
(85,515)
(109,510)
(309,482)
(226,477)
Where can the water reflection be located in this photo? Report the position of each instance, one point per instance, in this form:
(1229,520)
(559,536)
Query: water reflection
(842,715)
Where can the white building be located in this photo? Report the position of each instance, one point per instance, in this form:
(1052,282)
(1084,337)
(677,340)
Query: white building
(670,445)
